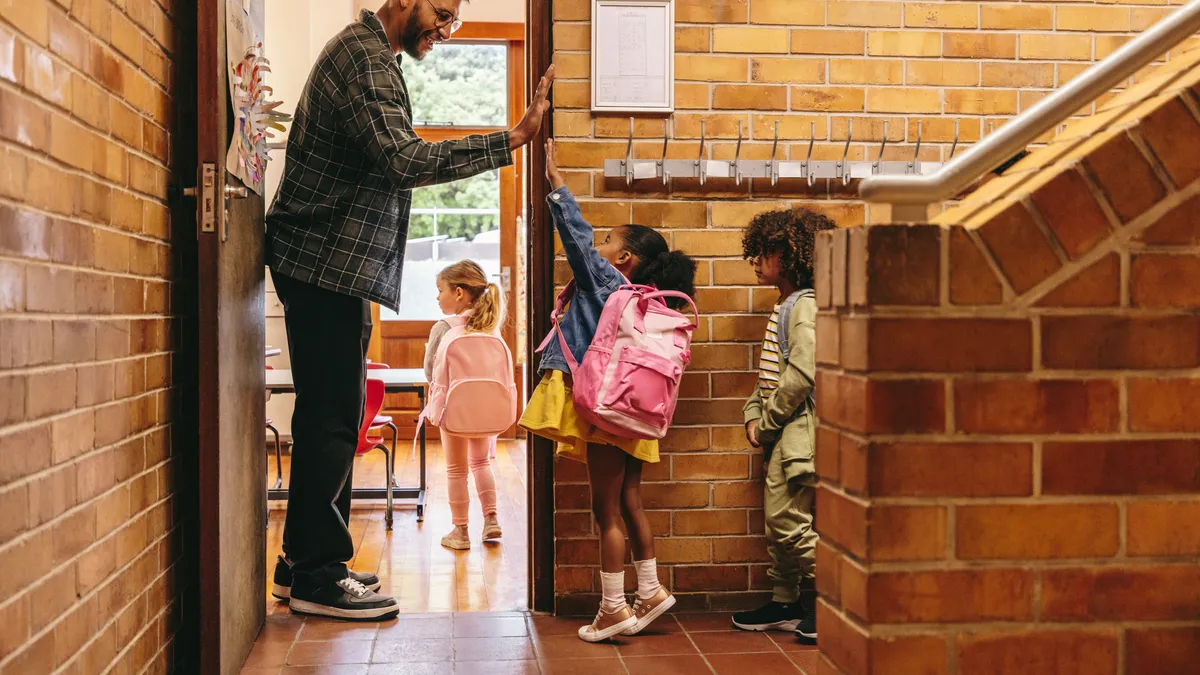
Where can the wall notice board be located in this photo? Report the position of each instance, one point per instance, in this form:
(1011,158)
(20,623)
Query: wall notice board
(633,56)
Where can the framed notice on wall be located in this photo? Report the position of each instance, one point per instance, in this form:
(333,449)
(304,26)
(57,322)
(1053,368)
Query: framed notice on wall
(633,56)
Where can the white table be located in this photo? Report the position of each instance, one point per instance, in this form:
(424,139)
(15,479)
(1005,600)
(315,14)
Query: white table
(395,381)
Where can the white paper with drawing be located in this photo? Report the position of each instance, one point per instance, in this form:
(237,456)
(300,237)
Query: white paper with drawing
(255,116)
(633,56)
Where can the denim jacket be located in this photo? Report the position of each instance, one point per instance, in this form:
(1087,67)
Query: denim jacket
(595,280)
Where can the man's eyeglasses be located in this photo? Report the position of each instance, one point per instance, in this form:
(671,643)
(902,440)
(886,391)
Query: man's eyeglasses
(445,18)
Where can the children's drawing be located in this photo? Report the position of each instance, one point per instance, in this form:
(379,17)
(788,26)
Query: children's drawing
(256,118)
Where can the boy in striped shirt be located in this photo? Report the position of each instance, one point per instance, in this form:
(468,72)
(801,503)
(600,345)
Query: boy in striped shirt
(780,418)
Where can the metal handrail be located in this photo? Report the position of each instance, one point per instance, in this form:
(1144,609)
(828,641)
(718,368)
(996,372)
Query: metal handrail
(911,196)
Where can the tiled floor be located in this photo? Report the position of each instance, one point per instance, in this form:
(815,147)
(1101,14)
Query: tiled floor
(410,560)
(517,644)
(462,609)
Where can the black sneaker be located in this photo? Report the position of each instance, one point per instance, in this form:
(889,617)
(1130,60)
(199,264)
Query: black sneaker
(806,631)
(345,599)
(282,586)
(771,616)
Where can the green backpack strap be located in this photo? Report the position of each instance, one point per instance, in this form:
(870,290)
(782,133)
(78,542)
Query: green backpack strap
(784,325)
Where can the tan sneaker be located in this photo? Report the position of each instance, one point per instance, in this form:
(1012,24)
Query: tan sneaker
(457,539)
(491,527)
(646,611)
(608,625)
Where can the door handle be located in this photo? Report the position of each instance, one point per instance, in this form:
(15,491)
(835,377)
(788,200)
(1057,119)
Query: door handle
(232,192)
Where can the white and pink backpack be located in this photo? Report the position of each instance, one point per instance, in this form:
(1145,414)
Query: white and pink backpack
(472,392)
(628,383)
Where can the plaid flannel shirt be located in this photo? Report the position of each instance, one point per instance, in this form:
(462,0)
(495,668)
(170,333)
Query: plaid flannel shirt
(340,217)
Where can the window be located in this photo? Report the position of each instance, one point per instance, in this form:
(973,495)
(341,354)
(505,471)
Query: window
(452,222)
(460,84)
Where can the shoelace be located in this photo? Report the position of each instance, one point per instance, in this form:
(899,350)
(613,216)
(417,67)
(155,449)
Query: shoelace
(353,587)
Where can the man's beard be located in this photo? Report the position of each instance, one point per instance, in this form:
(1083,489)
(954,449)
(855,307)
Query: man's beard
(413,35)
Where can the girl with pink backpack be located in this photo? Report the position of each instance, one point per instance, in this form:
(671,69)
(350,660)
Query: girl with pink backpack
(610,372)
(472,396)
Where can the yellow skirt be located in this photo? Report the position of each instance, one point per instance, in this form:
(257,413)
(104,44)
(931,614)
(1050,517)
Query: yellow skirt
(551,414)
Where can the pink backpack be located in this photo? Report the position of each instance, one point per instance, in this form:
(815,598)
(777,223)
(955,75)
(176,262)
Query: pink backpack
(472,392)
(628,382)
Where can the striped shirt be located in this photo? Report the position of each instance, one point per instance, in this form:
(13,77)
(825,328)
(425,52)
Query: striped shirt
(769,362)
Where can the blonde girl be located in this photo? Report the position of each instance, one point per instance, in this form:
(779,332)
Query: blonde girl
(463,290)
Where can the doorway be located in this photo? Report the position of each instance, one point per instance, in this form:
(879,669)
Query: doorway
(473,84)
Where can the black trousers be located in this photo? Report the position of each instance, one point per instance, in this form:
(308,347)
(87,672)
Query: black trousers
(328,334)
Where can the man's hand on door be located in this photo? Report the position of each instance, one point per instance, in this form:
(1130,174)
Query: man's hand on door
(531,124)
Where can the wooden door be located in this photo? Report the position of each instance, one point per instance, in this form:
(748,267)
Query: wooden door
(232,334)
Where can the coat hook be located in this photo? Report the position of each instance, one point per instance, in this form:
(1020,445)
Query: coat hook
(812,137)
(882,146)
(955,143)
(662,163)
(773,168)
(917,150)
(846,152)
(629,156)
(700,160)
(737,153)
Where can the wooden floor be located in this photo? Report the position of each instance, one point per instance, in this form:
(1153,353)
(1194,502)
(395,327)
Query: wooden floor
(411,563)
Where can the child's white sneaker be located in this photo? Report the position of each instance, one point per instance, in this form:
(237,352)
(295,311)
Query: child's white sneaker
(491,527)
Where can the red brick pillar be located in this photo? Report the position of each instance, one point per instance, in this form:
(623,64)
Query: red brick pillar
(1009,455)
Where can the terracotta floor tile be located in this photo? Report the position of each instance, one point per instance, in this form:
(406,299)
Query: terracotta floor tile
(547,626)
(571,647)
(323,653)
(667,665)
(752,664)
(439,627)
(490,626)
(318,630)
(694,623)
(414,650)
(806,660)
(266,654)
(341,669)
(788,642)
(268,670)
(280,627)
(499,668)
(664,624)
(733,642)
(656,645)
(445,668)
(493,649)
(601,666)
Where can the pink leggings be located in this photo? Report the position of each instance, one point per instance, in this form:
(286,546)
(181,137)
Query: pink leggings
(473,452)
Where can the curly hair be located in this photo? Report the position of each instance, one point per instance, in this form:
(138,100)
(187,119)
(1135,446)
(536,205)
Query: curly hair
(788,232)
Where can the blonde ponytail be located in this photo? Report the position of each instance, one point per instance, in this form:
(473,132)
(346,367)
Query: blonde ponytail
(488,311)
(487,303)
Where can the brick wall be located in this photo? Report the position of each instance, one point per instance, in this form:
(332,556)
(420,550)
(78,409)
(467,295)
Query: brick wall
(89,545)
(1010,434)
(799,62)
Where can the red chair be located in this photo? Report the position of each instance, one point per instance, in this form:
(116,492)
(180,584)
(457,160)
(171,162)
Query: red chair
(367,443)
(386,421)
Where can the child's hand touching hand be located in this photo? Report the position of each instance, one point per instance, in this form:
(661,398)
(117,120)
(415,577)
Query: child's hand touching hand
(552,174)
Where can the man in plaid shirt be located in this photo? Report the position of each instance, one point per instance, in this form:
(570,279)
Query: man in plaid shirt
(335,243)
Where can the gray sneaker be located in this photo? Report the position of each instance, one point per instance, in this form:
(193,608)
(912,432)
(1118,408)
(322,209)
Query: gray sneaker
(345,599)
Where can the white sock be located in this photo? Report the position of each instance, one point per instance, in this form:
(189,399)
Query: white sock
(647,574)
(613,587)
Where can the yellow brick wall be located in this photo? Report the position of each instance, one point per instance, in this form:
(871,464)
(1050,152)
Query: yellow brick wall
(90,546)
(799,62)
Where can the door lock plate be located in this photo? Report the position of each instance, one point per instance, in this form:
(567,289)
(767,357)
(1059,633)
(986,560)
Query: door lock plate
(208,198)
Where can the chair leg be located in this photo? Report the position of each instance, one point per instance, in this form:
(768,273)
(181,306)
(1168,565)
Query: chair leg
(278,459)
(387,518)
(392,467)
